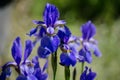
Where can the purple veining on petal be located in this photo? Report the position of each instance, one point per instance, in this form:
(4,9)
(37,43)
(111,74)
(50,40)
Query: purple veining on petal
(50,15)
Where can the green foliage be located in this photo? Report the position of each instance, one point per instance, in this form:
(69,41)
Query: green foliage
(102,10)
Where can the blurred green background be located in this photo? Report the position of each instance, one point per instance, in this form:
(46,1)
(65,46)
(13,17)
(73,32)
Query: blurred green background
(103,13)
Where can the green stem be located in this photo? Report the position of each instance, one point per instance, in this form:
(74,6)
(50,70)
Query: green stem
(67,73)
(54,64)
(48,66)
(74,74)
(82,67)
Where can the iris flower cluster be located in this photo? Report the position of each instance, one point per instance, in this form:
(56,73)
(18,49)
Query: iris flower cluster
(52,34)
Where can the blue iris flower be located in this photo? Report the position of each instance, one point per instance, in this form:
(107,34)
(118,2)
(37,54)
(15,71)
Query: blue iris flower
(69,52)
(49,40)
(17,56)
(88,43)
(17,50)
(34,72)
(24,67)
(49,24)
(88,75)
(28,70)
(40,72)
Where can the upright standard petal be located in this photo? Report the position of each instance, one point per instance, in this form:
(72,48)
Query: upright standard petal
(28,49)
(88,30)
(50,15)
(17,50)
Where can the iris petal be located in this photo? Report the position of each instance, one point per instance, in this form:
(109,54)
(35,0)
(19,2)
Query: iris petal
(85,55)
(31,77)
(17,50)
(95,48)
(91,75)
(88,57)
(50,15)
(5,73)
(88,76)
(21,77)
(64,34)
(32,31)
(43,53)
(40,75)
(81,55)
(45,66)
(28,49)
(64,59)
(42,32)
(60,22)
(84,74)
(73,59)
(46,43)
(67,60)
(50,43)
(37,22)
(88,30)
(97,52)
(35,62)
